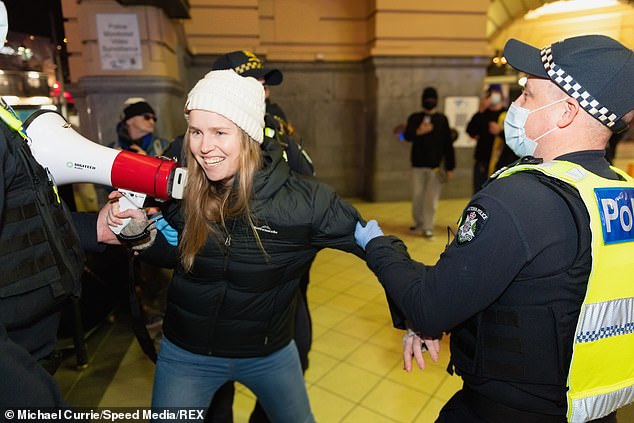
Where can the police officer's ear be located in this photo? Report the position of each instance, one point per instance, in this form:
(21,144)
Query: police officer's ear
(571,110)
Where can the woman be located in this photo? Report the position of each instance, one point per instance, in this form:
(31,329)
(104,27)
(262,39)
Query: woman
(248,230)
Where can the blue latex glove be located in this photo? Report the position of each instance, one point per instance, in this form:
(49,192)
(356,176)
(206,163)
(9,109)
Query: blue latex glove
(169,233)
(363,235)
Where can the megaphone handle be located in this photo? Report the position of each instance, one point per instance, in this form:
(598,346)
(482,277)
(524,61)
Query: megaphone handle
(130,200)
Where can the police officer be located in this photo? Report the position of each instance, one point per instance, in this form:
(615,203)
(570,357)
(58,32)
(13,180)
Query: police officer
(537,287)
(278,127)
(41,262)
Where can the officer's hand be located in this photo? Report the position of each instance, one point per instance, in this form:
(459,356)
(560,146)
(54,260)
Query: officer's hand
(414,345)
(363,235)
(169,233)
(104,231)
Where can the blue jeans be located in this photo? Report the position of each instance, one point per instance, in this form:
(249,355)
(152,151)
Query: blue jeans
(184,379)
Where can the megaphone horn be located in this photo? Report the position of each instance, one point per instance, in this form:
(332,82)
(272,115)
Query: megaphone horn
(72,158)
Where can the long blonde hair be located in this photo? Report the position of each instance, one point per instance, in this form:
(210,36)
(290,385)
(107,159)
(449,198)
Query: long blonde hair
(209,204)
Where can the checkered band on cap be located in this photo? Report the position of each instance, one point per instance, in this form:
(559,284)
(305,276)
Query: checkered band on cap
(253,63)
(576,90)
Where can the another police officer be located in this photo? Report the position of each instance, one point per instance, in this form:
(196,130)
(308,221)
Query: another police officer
(41,262)
(537,289)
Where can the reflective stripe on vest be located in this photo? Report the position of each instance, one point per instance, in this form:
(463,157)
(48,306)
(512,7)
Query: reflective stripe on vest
(8,116)
(601,374)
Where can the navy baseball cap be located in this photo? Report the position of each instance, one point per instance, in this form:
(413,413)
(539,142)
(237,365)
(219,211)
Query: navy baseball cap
(596,70)
(245,63)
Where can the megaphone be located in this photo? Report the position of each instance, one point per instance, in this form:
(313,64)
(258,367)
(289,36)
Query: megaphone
(72,158)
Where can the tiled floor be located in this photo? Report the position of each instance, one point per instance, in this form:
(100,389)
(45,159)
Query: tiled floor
(355,372)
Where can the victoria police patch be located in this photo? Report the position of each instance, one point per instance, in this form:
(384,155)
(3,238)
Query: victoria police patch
(473,220)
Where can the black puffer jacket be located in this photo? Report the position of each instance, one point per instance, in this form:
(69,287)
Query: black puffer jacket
(239,302)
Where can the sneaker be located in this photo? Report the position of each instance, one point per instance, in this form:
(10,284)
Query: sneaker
(415,230)
(428,234)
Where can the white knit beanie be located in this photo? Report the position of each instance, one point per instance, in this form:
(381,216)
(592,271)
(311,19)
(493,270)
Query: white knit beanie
(239,99)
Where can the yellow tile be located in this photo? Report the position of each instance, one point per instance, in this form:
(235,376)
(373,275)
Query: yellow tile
(131,385)
(450,386)
(427,381)
(348,381)
(318,294)
(338,283)
(327,406)
(366,292)
(375,312)
(389,338)
(357,273)
(318,365)
(244,390)
(358,327)
(346,303)
(430,411)
(363,415)
(390,398)
(374,359)
(319,329)
(335,344)
(243,404)
(326,316)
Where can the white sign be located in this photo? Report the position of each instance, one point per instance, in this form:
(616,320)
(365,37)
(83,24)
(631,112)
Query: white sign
(459,111)
(119,41)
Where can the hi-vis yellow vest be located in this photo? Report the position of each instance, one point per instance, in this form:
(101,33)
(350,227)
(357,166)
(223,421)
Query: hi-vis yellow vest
(601,374)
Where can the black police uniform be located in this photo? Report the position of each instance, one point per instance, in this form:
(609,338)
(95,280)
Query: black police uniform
(526,254)
(41,260)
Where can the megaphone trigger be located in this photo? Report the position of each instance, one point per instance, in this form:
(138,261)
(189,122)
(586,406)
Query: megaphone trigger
(130,200)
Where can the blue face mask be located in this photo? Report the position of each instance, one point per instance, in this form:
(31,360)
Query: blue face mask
(515,133)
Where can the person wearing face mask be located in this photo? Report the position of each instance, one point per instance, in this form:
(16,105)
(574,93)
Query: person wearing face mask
(537,288)
(484,128)
(432,158)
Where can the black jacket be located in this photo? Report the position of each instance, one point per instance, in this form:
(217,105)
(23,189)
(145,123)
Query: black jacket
(40,254)
(238,301)
(34,226)
(434,148)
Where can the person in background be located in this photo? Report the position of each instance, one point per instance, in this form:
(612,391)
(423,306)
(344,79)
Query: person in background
(610,149)
(484,127)
(537,287)
(135,130)
(248,229)
(136,133)
(278,127)
(432,158)
(501,153)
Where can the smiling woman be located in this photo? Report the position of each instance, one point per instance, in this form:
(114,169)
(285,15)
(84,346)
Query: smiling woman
(249,229)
